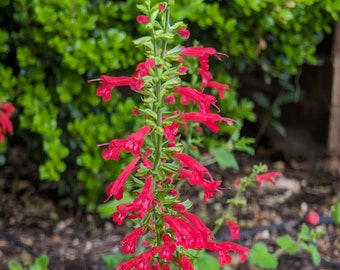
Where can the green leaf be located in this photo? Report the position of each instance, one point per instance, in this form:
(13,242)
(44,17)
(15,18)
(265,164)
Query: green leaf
(225,158)
(12,265)
(316,258)
(206,261)
(261,100)
(304,232)
(106,210)
(336,213)
(260,256)
(288,244)
(113,260)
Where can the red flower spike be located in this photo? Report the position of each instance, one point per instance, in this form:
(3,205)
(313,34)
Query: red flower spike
(116,188)
(184,33)
(108,83)
(269,177)
(142,19)
(129,243)
(234,230)
(208,119)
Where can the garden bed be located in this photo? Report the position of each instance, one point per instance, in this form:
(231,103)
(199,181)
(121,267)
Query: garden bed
(33,222)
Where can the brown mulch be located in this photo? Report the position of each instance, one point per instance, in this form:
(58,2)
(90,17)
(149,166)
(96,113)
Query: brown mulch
(33,223)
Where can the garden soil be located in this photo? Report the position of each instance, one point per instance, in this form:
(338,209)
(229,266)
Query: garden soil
(35,221)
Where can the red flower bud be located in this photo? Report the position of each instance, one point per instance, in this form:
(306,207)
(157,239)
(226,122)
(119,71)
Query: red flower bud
(142,19)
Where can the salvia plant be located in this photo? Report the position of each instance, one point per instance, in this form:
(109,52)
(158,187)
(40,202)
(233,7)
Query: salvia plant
(167,235)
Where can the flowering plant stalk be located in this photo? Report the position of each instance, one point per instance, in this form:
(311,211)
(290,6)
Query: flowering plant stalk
(169,231)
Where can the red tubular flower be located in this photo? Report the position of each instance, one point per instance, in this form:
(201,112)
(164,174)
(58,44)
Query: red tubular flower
(234,230)
(132,144)
(196,175)
(143,261)
(145,198)
(202,54)
(147,162)
(6,125)
(108,83)
(208,119)
(168,248)
(185,263)
(142,70)
(136,140)
(186,235)
(210,187)
(198,225)
(206,75)
(116,188)
(139,208)
(123,211)
(170,132)
(225,248)
(203,100)
(142,19)
(129,243)
(267,177)
(220,87)
(198,170)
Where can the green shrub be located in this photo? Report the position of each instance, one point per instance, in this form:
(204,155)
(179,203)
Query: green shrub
(49,49)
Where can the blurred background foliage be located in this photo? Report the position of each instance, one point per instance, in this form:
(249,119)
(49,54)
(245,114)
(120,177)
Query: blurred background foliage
(50,48)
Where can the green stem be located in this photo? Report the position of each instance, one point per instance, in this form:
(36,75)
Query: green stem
(227,212)
(158,139)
